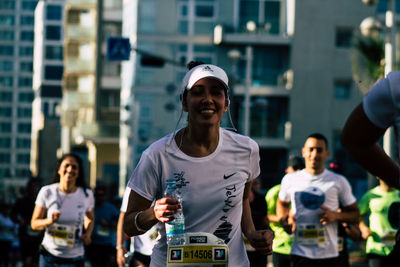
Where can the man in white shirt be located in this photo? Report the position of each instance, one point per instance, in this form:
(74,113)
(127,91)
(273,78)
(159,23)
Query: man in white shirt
(314,195)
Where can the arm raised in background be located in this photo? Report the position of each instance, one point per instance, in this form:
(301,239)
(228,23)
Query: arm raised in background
(360,137)
(121,238)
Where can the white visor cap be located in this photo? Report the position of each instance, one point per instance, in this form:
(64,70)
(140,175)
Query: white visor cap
(203,71)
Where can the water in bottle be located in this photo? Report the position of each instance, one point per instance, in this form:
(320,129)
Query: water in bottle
(175,229)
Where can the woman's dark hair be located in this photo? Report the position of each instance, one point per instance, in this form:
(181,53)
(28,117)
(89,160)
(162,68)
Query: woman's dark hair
(193,64)
(80,181)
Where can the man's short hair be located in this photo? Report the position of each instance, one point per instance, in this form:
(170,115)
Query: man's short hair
(319,136)
(296,163)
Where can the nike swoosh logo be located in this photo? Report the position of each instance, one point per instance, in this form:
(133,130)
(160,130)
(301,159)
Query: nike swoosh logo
(228,176)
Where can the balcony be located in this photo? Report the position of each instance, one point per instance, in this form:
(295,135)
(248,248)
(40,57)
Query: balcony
(79,32)
(86,3)
(97,132)
(79,66)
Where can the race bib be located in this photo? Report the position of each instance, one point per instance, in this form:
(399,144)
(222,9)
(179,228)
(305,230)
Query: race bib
(200,250)
(63,235)
(310,234)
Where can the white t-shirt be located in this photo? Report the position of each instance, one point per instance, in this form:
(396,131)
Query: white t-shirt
(63,239)
(382,103)
(212,188)
(307,193)
(141,243)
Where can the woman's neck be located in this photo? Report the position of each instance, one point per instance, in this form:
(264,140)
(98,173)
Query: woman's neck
(198,143)
(67,188)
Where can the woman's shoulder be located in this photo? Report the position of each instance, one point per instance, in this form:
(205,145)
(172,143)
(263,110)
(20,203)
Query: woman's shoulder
(49,187)
(238,138)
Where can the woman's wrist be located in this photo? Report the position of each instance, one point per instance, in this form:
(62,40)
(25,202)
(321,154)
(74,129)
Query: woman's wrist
(118,247)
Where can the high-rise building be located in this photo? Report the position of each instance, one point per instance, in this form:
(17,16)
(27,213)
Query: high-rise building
(288,61)
(91,88)
(47,80)
(16,95)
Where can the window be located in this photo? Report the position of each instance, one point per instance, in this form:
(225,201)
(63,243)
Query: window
(201,22)
(5,158)
(22,172)
(7,20)
(25,81)
(6,81)
(5,96)
(344,37)
(6,35)
(269,65)
(268,115)
(53,72)
(5,172)
(342,89)
(50,91)
(27,20)
(26,36)
(53,32)
(5,112)
(23,143)
(110,99)
(26,51)
(26,97)
(24,127)
(6,50)
(147,11)
(26,66)
(29,5)
(24,112)
(5,127)
(5,142)
(146,116)
(53,12)
(54,52)
(6,65)
(265,13)
(111,29)
(23,158)
(7,4)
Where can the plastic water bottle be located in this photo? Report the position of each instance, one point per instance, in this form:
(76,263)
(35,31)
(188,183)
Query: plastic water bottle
(175,229)
(128,257)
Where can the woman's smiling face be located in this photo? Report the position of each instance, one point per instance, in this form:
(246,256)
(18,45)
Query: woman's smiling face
(69,170)
(206,102)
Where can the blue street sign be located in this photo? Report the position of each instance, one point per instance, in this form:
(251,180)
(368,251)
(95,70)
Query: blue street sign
(118,48)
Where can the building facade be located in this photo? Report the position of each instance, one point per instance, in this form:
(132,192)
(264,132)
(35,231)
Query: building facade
(47,81)
(16,95)
(91,88)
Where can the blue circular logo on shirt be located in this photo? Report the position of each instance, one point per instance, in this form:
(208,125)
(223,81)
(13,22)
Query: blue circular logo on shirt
(312,198)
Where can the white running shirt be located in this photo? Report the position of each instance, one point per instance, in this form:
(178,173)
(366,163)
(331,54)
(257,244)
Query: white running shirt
(73,207)
(307,193)
(212,188)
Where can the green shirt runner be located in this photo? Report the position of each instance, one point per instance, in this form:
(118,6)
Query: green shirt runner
(282,241)
(377,202)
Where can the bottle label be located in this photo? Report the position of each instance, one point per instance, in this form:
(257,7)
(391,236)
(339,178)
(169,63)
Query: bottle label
(175,229)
